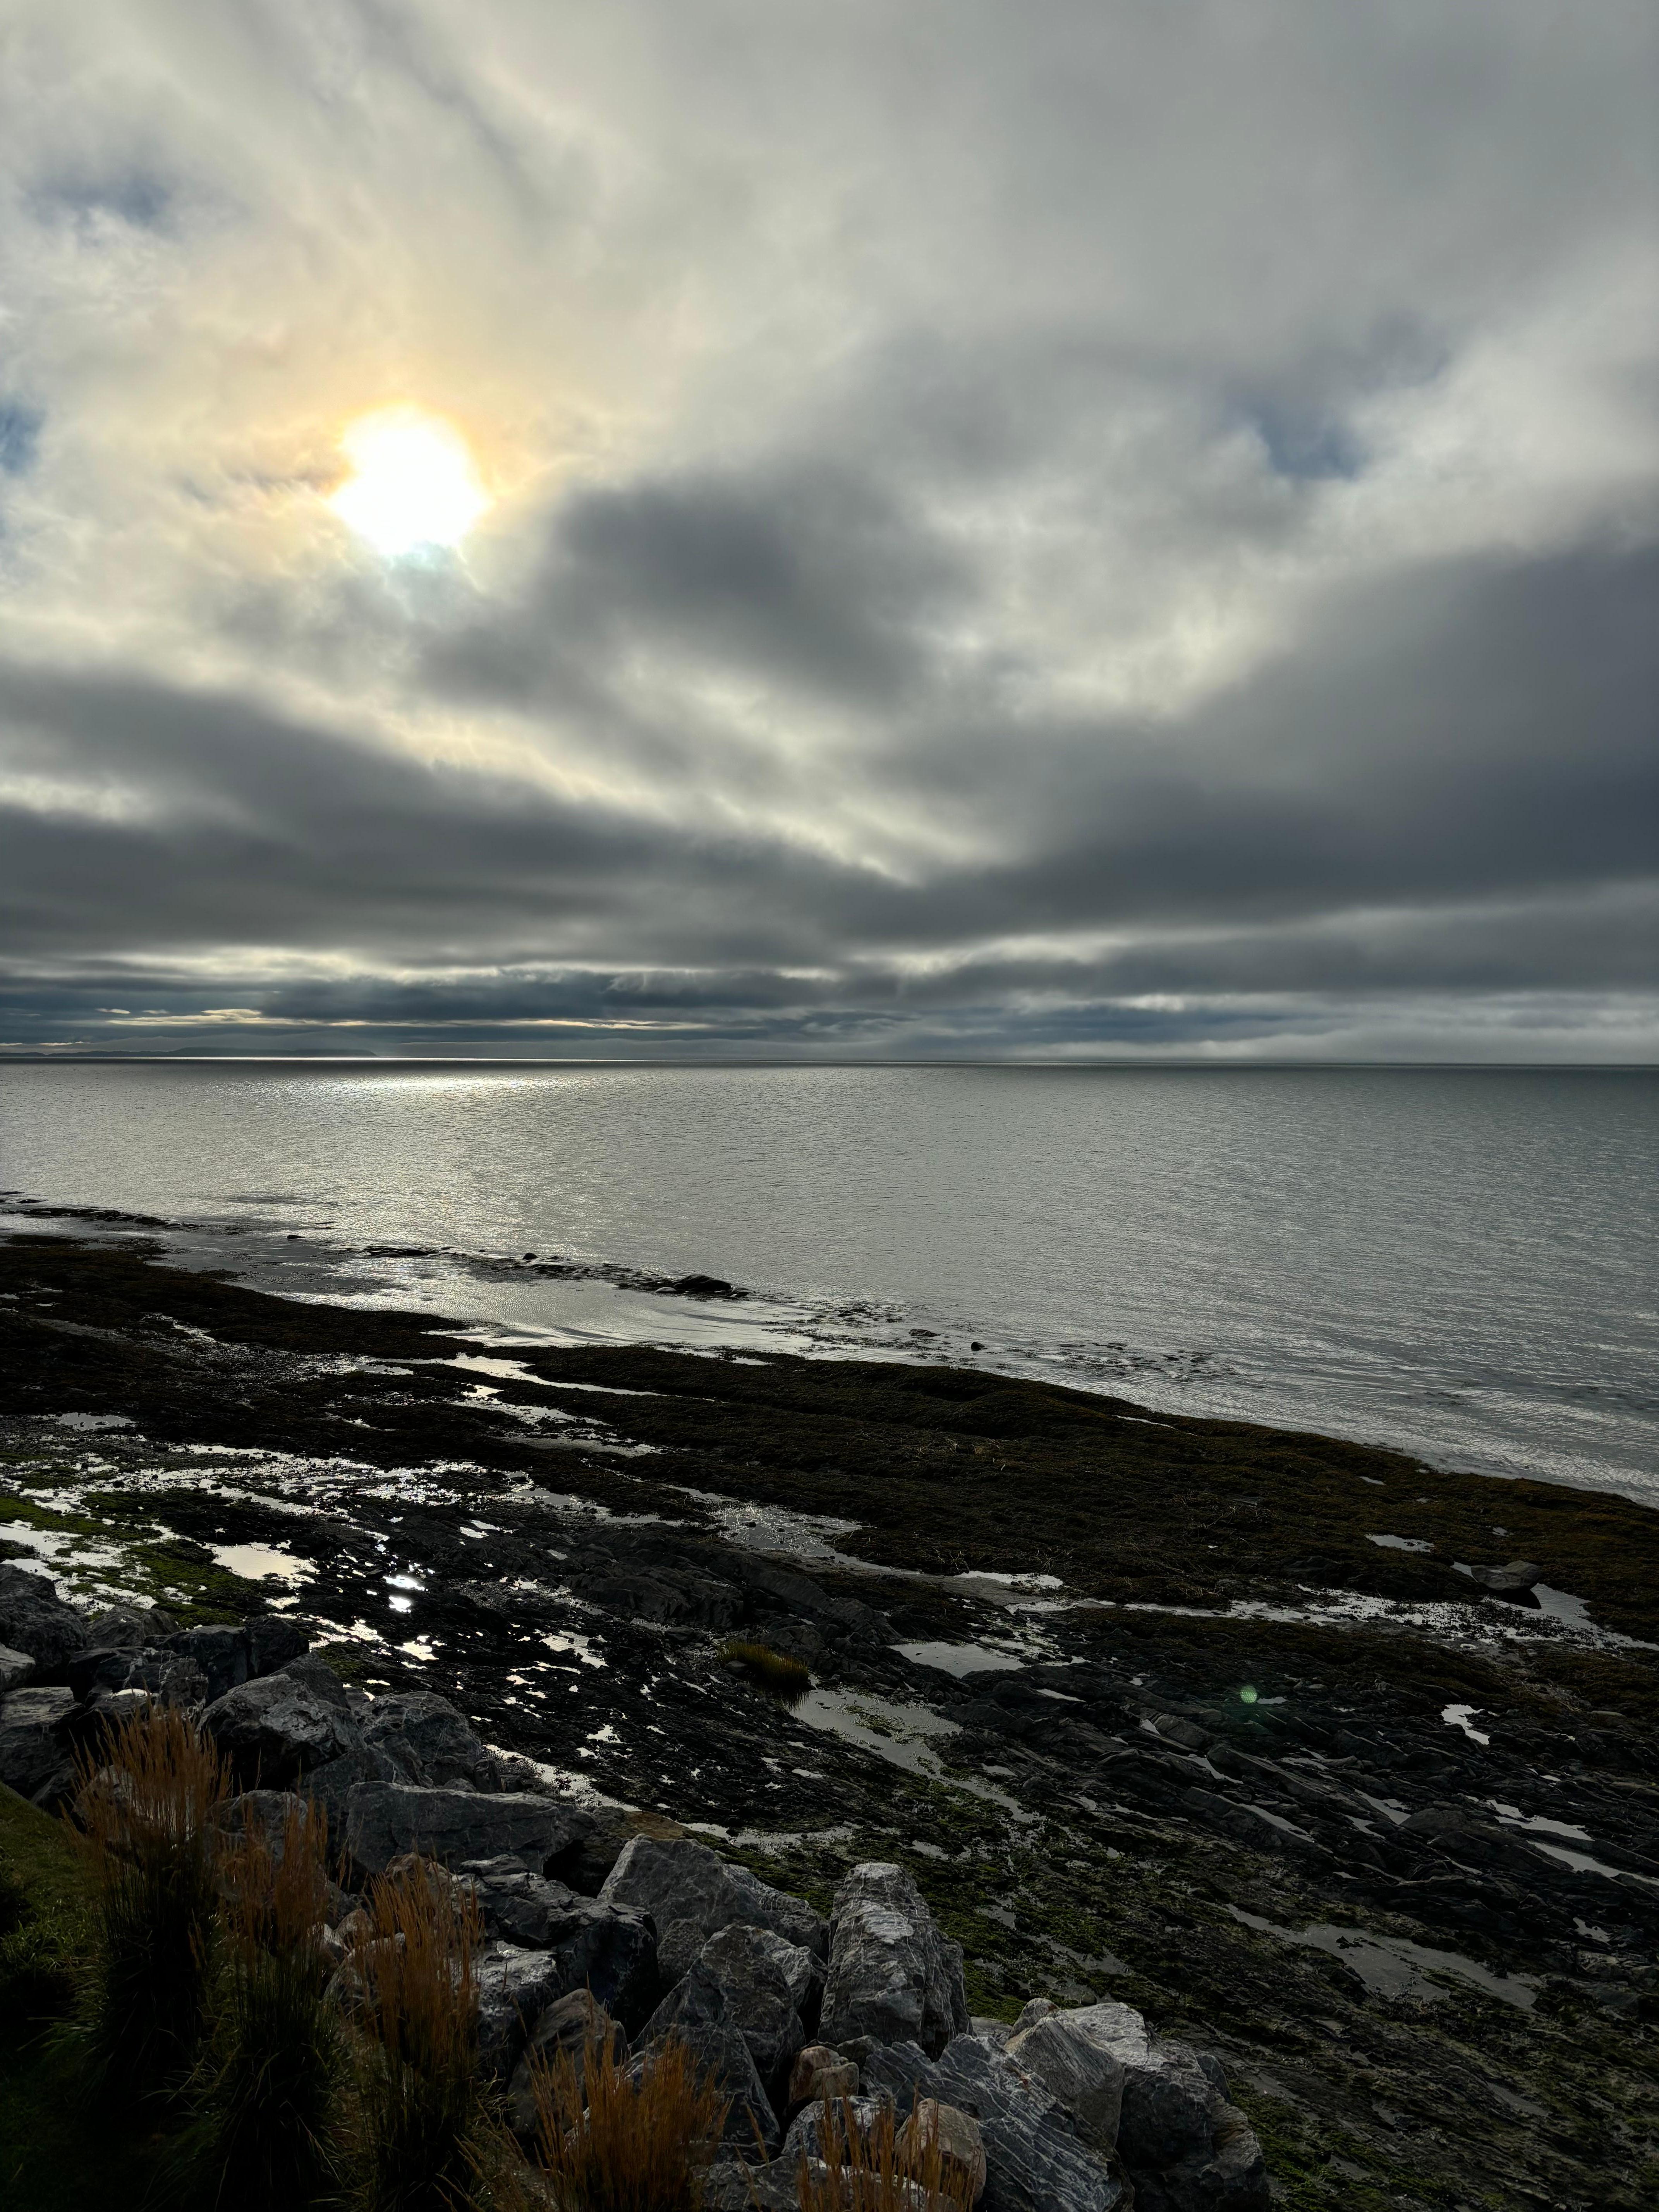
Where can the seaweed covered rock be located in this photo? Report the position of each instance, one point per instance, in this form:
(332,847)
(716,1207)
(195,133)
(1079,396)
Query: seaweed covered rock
(892,1977)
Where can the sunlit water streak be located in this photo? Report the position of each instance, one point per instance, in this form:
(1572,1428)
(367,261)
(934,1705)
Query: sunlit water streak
(1457,1262)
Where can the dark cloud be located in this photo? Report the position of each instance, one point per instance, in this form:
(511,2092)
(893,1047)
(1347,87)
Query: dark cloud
(1123,531)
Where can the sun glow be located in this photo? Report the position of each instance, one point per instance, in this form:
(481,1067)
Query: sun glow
(413,482)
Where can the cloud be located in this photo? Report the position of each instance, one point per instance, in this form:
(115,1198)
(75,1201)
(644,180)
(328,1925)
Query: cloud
(1125,532)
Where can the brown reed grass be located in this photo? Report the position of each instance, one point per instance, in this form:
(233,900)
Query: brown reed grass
(865,2169)
(612,2139)
(144,1817)
(268,2137)
(774,1671)
(424,2139)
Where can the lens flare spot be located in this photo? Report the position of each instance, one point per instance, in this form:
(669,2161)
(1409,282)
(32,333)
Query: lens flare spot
(413,482)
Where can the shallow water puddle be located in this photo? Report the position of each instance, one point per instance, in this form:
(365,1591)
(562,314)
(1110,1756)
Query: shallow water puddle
(1394,1967)
(959,1659)
(258,1562)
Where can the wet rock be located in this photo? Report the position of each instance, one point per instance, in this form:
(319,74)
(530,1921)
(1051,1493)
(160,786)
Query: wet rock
(279,1728)
(35,1620)
(428,1741)
(1076,2057)
(273,1641)
(679,1880)
(961,2145)
(566,2028)
(515,1989)
(892,1977)
(1035,2161)
(384,1820)
(34,1759)
(15,1668)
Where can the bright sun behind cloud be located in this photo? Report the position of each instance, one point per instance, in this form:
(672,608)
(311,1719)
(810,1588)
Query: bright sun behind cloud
(412,484)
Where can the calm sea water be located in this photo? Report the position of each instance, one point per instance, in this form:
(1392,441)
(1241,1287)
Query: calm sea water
(1460,1263)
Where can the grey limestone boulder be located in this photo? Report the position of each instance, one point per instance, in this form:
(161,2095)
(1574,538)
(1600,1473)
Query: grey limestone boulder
(515,1988)
(429,1741)
(737,1984)
(718,2049)
(744,1949)
(385,1820)
(35,1760)
(570,2025)
(1081,2057)
(222,1654)
(279,1728)
(680,1882)
(1185,2146)
(892,1977)
(1035,2161)
(131,1625)
(15,1668)
(35,1620)
(609,1951)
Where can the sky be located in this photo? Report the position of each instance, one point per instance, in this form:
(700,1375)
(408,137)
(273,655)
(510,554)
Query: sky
(737,528)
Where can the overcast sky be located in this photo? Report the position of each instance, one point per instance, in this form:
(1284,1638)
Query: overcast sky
(1094,528)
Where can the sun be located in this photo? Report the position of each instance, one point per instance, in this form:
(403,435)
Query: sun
(413,482)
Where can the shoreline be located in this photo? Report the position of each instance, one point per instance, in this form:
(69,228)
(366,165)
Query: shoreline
(1066,1764)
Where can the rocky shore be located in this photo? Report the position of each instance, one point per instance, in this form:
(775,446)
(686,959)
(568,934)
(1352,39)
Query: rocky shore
(1333,1773)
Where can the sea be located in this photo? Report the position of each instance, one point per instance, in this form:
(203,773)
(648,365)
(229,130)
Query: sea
(1460,1263)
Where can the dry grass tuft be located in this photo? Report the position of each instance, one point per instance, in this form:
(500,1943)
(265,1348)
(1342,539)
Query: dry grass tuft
(607,2143)
(271,2113)
(864,2169)
(423,2137)
(144,1816)
(784,1677)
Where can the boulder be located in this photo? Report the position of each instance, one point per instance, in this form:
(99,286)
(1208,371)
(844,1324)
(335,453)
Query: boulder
(1510,1581)
(131,1625)
(282,1726)
(608,1950)
(732,2186)
(753,1994)
(15,1668)
(819,2072)
(679,1880)
(566,2028)
(265,1813)
(35,1620)
(428,1741)
(331,1784)
(718,2052)
(385,1820)
(892,1977)
(1035,2160)
(960,2146)
(803,1974)
(1079,2058)
(273,1641)
(1185,2147)
(222,1654)
(35,1760)
(515,1988)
